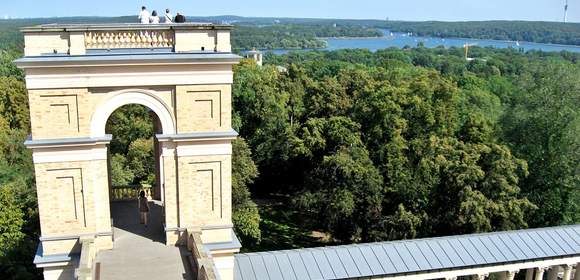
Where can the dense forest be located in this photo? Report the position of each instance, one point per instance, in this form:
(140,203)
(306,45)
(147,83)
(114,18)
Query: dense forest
(354,145)
(294,36)
(416,142)
(538,32)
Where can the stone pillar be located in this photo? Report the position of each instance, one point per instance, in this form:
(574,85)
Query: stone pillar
(567,272)
(157,128)
(529,274)
(73,199)
(540,273)
(553,273)
(577,274)
(170,196)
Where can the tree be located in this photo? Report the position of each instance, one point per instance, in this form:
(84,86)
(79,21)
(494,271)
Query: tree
(141,161)
(543,127)
(345,192)
(11,222)
(14,103)
(246,217)
(128,124)
(132,156)
(121,174)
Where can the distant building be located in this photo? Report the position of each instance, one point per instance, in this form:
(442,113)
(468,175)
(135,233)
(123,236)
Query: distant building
(256,55)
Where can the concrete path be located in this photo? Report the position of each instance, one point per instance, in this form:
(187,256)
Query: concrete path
(140,252)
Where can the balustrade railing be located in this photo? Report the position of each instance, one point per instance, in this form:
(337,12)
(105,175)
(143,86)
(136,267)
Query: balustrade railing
(203,267)
(129,39)
(130,192)
(82,39)
(84,270)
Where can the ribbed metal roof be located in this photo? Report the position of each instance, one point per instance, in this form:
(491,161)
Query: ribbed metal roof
(410,256)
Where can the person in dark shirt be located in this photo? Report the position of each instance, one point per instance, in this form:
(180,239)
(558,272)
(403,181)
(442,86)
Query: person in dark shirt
(179,18)
(143,207)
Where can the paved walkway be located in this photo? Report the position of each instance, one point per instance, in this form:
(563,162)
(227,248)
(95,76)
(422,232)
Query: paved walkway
(140,252)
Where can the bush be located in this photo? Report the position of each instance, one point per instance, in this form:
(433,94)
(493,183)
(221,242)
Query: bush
(247,224)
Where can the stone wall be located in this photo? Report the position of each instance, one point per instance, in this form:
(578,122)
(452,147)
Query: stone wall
(203,108)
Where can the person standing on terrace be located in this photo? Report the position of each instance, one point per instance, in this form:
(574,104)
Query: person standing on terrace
(144,15)
(143,207)
(179,18)
(154,19)
(168,17)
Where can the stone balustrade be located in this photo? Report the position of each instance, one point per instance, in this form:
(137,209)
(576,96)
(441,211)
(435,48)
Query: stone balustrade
(88,252)
(202,265)
(130,192)
(83,39)
(129,39)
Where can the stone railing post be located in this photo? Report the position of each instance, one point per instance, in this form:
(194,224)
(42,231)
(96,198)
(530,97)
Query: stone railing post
(85,269)
(529,274)
(540,273)
(567,272)
(77,43)
(202,266)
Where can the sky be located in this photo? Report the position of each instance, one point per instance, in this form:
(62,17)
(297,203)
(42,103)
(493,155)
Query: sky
(419,10)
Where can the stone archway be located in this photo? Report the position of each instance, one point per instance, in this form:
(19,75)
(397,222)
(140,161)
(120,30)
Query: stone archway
(71,96)
(124,97)
(164,122)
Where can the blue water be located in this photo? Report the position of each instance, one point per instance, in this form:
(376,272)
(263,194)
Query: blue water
(401,40)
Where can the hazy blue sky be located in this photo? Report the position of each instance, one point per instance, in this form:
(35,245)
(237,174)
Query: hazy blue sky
(450,10)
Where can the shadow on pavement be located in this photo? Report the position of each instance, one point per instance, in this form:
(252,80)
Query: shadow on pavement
(125,216)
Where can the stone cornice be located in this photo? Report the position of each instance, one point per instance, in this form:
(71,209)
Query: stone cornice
(199,136)
(126,59)
(67,142)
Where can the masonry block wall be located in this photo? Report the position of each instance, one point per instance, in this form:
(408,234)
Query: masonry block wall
(203,108)
(196,173)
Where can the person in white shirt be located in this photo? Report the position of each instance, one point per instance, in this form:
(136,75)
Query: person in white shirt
(154,19)
(168,17)
(144,15)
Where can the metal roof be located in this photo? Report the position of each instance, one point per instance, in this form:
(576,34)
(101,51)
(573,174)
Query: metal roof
(410,256)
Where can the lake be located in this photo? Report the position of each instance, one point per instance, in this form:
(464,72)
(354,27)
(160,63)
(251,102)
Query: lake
(401,40)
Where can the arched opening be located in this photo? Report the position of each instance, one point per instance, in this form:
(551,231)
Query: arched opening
(134,167)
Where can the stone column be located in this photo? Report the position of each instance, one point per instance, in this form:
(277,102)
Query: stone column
(170,196)
(540,273)
(479,277)
(553,273)
(529,274)
(567,272)
(577,275)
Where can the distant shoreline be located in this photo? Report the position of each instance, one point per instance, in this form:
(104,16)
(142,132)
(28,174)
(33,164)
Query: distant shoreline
(453,38)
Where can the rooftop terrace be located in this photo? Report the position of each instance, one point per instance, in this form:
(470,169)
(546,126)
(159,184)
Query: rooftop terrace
(86,39)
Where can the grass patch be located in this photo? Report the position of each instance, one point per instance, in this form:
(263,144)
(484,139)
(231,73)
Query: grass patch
(285,228)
